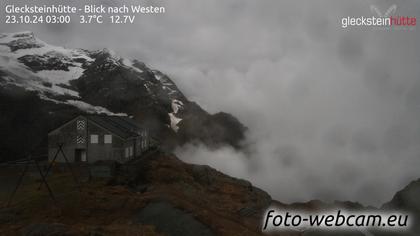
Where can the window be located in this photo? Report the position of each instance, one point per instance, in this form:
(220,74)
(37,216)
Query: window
(94,138)
(107,138)
(127,153)
(131,151)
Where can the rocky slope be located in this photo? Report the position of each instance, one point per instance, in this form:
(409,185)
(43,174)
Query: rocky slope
(155,195)
(54,83)
(408,200)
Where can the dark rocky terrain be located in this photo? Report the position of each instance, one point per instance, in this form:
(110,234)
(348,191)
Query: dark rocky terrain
(155,195)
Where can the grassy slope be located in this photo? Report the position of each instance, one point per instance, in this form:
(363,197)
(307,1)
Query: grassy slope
(206,195)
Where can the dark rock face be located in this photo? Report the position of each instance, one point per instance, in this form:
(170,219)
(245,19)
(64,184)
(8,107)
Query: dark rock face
(107,83)
(46,62)
(408,200)
(212,130)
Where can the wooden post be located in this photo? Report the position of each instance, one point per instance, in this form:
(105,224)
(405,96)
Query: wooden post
(31,159)
(50,165)
(44,180)
(18,184)
(60,150)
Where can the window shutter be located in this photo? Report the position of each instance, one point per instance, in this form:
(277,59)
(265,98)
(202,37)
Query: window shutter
(80,139)
(81,125)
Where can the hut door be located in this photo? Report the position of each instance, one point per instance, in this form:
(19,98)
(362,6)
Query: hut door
(80,155)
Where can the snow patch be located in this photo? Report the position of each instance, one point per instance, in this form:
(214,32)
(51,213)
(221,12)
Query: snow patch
(128,63)
(167,85)
(60,90)
(92,109)
(176,106)
(21,76)
(84,106)
(158,76)
(61,76)
(174,122)
(44,81)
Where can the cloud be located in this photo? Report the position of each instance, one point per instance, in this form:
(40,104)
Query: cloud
(333,113)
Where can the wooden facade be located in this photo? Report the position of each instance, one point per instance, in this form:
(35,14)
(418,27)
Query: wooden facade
(90,138)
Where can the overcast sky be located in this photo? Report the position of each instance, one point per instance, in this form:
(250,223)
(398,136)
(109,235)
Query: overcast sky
(332,113)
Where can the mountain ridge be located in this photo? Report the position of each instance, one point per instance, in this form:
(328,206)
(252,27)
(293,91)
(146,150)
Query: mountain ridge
(73,81)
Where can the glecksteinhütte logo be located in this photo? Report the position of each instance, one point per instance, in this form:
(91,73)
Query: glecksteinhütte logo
(392,9)
(385,19)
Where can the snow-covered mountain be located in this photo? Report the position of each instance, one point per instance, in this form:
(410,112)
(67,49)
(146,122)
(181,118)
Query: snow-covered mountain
(35,65)
(63,82)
